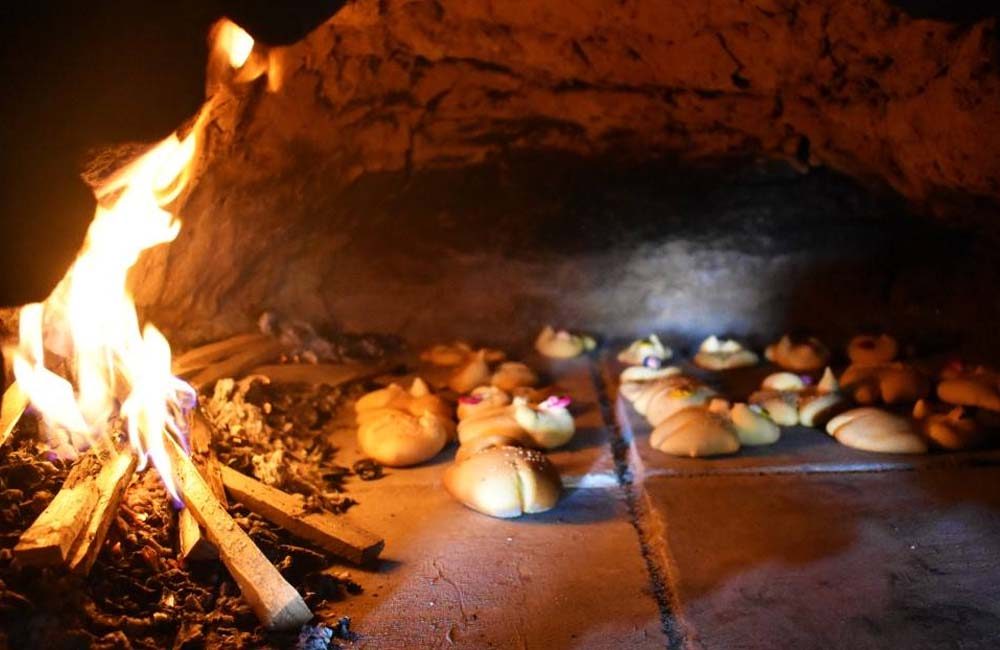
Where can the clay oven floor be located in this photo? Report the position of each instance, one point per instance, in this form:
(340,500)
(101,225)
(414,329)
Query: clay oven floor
(810,545)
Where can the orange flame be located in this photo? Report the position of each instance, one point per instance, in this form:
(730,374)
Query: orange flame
(118,367)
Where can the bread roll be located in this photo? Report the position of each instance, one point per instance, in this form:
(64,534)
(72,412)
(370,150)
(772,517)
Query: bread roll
(549,424)
(872,429)
(415,401)
(949,430)
(970,390)
(562,344)
(640,351)
(867,350)
(681,394)
(512,374)
(498,420)
(781,406)
(716,354)
(639,374)
(695,432)
(804,356)
(783,381)
(480,399)
(505,482)
(398,439)
(475,372)
(753,427)
(890,383)
(447,354)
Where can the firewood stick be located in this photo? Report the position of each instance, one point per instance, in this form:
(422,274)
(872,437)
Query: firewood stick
(331,374)
(111,484)
(203,356)
(49,540)
(327,531)
(276,603)
(193,544)
(255,354)
(15,401)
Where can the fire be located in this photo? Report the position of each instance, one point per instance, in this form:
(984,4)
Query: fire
(89,326)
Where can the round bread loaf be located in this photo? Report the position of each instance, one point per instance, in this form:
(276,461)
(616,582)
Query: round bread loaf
(398,439)
(550,426)
(505,482)
(804,356)
(872,429)
(890,383)
(868,350)
(680,395)
(641,350)
(475,372)
(970,390)
(716,354)
(695,432)
(512,374)
(562,344)
(753,427)
(640,374)
(949,430)
(481,399)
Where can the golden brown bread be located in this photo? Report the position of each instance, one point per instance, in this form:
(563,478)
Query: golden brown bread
(696,432)
(505,482)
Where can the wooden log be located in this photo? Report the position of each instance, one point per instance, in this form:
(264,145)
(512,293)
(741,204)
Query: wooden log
(252,355)
(276,603)
(331,533)
(331,374)
(49,540)
(15,401)
(111,483)
(206,355)
(194,545)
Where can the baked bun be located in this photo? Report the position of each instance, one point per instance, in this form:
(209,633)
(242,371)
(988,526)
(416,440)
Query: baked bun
(505,482)
(753,426)
(696,432)
(638,374)
(783,381)
(481,399)
(804,356)
(416,401)
(681,393)
(645,351)
(951,430)
(473,373)
(716,354)
(513,374)
(549,424)
(977,390)
(889,383)
(562,344)
(872,429)
(398,439)
(457,353)
(494,421)
(868,350)
(781,406)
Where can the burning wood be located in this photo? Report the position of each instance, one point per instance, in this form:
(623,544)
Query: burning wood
(50,539)
(111,483)
(316,374)
(235,365)
(193,544)
(276,603)
(15,401)
(327,531)
(204,356)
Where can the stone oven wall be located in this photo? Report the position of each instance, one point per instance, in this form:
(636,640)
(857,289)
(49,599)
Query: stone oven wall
(478,168)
